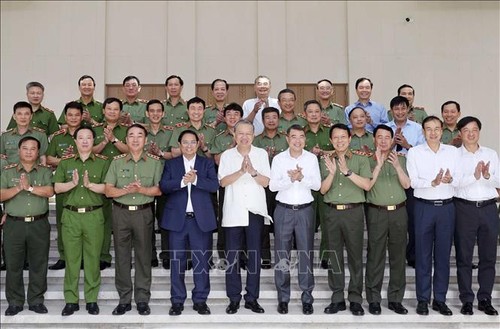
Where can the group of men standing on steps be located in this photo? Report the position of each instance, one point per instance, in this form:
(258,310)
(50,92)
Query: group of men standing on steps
(117,171)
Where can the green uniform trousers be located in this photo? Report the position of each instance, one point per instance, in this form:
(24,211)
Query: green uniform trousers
(82,235)
(133,229)
(345,228)
(34,238)
(108,223)
(386,231)
(59,211)
(320,208)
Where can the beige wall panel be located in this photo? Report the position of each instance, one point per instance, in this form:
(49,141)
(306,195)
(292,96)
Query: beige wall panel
(226,41)
(316,46)
(136,41)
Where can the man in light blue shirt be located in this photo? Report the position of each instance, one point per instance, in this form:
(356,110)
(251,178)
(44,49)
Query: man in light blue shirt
(407,133)
(377,112)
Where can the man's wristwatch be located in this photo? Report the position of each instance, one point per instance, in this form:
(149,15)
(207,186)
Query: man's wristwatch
(114,141)
(30,189)
(254,174)
(348,173)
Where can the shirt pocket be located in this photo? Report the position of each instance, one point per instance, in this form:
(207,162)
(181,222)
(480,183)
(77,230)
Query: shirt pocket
(125,176)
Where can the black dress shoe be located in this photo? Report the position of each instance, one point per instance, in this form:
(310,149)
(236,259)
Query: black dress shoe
(356,309)
(307,308)
(282,308)
(3,267)
(441,308)
(59,265)
(324,264)
(38,308)
(398,308)
(121,309)
(335,307)
(467,309)
(176,309)
(423,308)
(92,308)
(232,307)
(266,264)
(374,308)
(154,262)
(69,309)
(166,264)
(143,308)
(254,307)
(485,306)
(104,265)
(13,310)
(201,308)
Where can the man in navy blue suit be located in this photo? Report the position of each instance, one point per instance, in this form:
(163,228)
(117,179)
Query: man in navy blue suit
(189,216)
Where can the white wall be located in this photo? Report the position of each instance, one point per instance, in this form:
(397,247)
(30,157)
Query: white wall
(450,50)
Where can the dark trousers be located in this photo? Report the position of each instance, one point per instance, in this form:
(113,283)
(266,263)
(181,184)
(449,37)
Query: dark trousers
(234,238)
(266,232)
(434,229)
(132,229)
(19,238)
(220,229)
(410,210)
(481,225)
(158,212)
(201,253)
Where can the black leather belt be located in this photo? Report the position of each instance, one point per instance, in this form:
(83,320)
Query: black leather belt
(29,219)
(436,203)
(82,210)
(477,204)
(294,206)
(133,208)
(190,215)
(344,206)
(388,208)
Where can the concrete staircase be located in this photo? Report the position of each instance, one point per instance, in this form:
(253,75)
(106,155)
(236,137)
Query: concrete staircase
(160,304)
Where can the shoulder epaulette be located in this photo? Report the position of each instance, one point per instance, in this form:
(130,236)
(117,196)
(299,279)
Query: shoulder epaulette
(338,105)
(208,125)
(221,133)
(69,156)
(9,130)
(124,124)
(45,165)
(47,109)
(153,156)
(97,124)
(168,127)
(40,130)
(401,154)
(301,115)
(10,166)
(59,132)
(119,156)
(164,101)
(362,153)
(181,124)
(141,100)
(100,156)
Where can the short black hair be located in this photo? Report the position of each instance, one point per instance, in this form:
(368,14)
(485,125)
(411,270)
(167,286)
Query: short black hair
(405,86)
(28,138)
(34,84)
(311,101)
(73,105)
(286,91)
(233,107)
(398,100)
(430,118)
(295,126)
(136,125)
(212,86)
(174,77)
(466,120)
(75,135)
(194,100)
(110,100)
(361,80)
(383,127)
(83,77)
(23,104)
(355,108)
(324,80)
(270,109)
(340,126)
(448,103)
(155,101)
(131,77)
(185,132)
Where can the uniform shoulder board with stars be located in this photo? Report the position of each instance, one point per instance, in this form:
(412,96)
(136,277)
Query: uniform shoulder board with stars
(69,156)
(301,115)
(153,156)
(168,127)
(119,156)
(45,166)
(362,153)
(10,166)
(39,129)
(124,124)
(208,125)
(59,132)
(99,124)
(401,154)
(100,156)
(47,109)
(164,101)
(181,124)
(141,100)
(338,105)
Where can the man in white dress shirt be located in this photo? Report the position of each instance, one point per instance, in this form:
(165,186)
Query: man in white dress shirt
(294,173)
(477,218)
(252,108)
(434,171)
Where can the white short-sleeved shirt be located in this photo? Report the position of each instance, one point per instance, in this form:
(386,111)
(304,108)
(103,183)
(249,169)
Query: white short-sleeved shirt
(257,121)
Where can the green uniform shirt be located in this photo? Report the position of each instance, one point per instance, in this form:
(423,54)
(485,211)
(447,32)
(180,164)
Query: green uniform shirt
(162,138)
(174,114)
(448,135)
(110,150)
(26,203)
(222,142)
(207,131)
(336,113)
(9,141)
(136,109)
(95,109)
(273,146)
(343,190)
(43,118)
(387,190)
(59,142)
(210,118)
(357,142)
(124,170)
(320,138)
(80,196)
(284,124)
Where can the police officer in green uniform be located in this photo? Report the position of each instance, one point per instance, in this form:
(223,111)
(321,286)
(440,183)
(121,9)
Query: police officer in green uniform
(332,113)
(9,140)
(206,134)
(288,118)
(43,117)
(110,142)
(214,114)
(81,177)
(92,113)
(62,143)
(415,113)
(133,107)
(450,111)
(346,175)
(175,106)
(132,181)
(386,221)
(361,139)
(25,188)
